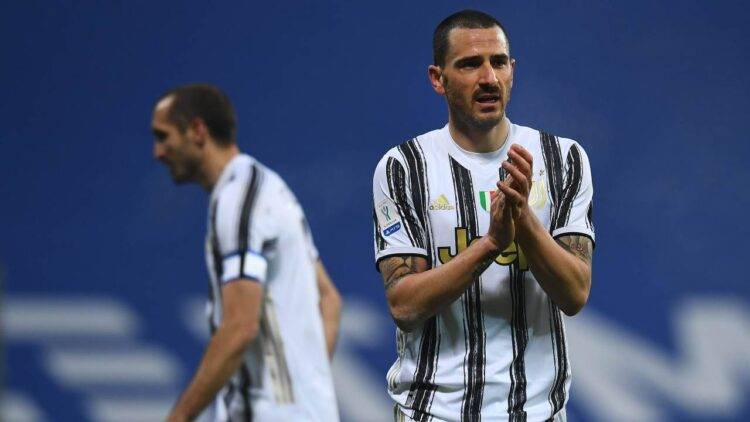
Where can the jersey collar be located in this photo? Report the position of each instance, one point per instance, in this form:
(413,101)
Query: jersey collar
(492,157)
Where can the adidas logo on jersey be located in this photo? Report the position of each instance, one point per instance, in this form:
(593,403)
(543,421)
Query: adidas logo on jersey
(441,204)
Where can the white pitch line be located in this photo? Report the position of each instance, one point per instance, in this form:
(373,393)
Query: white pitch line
(30,318)
(129,410)
(16,407)
(92,366)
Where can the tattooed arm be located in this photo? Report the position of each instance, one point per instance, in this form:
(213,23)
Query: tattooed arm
(578,245)
(416,293)
(562,266)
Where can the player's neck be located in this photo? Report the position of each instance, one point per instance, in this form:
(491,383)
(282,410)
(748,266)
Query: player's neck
(216,160)
(474,139)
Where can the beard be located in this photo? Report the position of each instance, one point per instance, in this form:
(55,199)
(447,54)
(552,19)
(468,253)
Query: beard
(463,110)
(183,171)
(178,177)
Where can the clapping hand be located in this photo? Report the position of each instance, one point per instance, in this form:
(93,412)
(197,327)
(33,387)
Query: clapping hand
(517,184)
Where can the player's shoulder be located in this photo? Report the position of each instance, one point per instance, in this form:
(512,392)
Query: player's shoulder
(254,190)
(393,154)
(267,176)
(275,191)
(542,139)
(247,180)
(412,147)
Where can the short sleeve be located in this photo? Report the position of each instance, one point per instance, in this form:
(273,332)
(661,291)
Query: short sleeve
(397,230)
(309,240)
(573,213)
(241,229)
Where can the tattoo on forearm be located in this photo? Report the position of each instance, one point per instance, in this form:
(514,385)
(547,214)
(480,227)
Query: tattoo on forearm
(394,269)
(481,266)
(579,246)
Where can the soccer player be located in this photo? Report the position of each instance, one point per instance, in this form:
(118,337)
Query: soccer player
(272,309)
(483,234)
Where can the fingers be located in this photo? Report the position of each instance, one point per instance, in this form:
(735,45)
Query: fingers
(498,199)
(498,204)
(519,168)
(523,152)
(520,180)
(507,181)
(521,162)
(501,209)
(510,213)
(512,195)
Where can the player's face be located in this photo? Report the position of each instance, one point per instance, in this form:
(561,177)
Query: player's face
(478,76)
(173,147)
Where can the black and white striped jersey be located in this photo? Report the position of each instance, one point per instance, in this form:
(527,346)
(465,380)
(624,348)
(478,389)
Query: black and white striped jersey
(257,230)
(499,352)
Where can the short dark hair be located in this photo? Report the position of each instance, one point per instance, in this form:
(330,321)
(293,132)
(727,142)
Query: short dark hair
(471,19)
(207,102)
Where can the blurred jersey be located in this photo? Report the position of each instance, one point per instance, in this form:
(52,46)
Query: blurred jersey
(499,351)
(257,231)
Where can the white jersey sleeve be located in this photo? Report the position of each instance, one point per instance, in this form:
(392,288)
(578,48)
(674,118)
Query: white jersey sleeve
(397,230)
(312,250)
(573,214)
(243,227)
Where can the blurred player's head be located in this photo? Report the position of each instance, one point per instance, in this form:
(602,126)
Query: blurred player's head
(188,122)
(472,68)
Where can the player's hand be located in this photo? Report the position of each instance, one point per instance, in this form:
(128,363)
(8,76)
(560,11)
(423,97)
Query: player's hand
(517,185)
(502,229)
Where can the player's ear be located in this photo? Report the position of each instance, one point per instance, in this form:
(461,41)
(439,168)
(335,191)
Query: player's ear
(199,130)
(435,73)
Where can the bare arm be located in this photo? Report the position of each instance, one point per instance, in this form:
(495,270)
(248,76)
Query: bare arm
(330,306)
(563,266)
(416,293)
(223,356)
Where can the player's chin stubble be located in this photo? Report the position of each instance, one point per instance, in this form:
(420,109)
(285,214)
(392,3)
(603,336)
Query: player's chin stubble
(187,172)
(464,112)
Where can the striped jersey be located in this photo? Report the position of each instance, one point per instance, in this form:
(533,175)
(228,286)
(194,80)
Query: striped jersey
(257,230)
(498,352)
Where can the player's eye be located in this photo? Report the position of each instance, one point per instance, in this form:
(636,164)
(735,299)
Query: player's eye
(471,63)
(160,136)
(499,62)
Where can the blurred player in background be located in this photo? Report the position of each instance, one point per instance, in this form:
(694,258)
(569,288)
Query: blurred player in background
(483,233)
(273,311)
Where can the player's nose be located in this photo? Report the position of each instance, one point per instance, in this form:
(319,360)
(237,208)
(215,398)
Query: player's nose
(487,74)
(158,152)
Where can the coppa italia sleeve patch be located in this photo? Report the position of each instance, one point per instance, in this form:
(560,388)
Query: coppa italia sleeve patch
(388,217)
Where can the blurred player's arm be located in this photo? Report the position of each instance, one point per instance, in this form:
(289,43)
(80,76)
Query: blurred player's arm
(330,306)
(239,326)
(416,293)
(562,266)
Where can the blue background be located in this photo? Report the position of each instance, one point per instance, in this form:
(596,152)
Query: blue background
(656,94)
